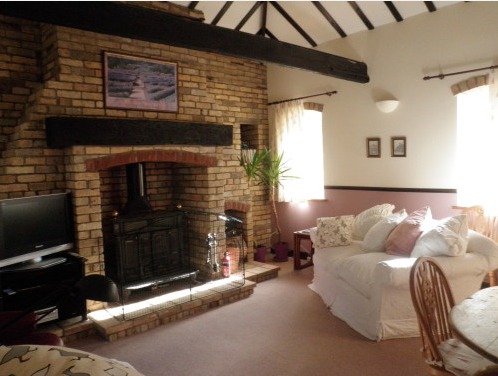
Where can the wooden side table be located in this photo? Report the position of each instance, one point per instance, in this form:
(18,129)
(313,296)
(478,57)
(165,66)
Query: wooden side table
(298,236)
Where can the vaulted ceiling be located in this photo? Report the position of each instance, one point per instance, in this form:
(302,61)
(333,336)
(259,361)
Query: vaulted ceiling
(309,23)
(290,29)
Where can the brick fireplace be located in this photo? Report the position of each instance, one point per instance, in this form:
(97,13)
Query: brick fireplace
(51,71)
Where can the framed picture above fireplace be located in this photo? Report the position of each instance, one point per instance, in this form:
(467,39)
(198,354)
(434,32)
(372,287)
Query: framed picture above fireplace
(138,83)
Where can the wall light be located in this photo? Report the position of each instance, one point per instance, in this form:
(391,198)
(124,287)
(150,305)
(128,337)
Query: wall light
(387,106)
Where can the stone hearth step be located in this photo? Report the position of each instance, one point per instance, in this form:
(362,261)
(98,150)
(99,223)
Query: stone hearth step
(112,328)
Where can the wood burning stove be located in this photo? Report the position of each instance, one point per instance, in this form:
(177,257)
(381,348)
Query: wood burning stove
(144,248)
(147,250)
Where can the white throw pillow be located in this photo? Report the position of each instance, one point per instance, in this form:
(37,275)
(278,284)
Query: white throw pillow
(376,237)
(334,231)
(367,218)
(447,238)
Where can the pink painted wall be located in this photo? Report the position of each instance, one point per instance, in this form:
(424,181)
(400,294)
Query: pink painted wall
(295,217)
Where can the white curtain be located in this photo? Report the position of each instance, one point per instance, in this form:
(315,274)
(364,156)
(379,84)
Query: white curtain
(477,146)
(298,135)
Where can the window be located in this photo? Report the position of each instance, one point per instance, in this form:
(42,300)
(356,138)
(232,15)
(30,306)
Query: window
(298,135)
(477,142)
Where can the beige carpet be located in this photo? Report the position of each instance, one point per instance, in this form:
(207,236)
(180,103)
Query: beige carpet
(282,329)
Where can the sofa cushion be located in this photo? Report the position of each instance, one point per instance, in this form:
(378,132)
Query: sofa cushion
(448,237)
(334,231)
(402,239)
(367,218)
(376,237)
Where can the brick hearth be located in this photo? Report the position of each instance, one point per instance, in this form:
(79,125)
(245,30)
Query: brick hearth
(112,329)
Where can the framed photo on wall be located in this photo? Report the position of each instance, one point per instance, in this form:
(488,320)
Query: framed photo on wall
(373,147)
(398,146)
(137,83)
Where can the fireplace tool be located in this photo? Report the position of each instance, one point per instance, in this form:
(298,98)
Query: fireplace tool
(212,252)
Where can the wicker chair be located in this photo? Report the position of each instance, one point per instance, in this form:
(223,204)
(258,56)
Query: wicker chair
(484,224)
(432,299)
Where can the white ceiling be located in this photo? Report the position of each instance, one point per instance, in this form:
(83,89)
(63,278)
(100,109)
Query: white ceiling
(307,15)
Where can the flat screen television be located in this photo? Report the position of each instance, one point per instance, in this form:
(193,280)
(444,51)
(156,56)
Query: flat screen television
(36,226)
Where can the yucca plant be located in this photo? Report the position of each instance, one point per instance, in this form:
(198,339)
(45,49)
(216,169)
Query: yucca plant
(268,169)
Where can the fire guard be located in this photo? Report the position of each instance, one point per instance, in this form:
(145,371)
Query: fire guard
(160,259)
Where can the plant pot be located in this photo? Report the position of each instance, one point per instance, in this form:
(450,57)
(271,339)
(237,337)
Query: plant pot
(281,252)
(260,254)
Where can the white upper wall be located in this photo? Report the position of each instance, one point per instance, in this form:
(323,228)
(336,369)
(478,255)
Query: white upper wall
(398,56)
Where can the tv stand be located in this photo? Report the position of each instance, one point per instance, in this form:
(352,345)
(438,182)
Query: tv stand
(23,285)
(30,265)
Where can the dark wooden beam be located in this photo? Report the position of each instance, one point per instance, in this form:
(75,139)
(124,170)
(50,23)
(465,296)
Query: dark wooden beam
(221,13)
(430,6)
(294,24)
(131,21)
(270,34)
(361,14)
(63,132)
(249,14)
(329,18)
(264,20)
(193,4)
(394,11)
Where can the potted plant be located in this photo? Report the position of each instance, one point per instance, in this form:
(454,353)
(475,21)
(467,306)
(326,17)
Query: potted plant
(268,169)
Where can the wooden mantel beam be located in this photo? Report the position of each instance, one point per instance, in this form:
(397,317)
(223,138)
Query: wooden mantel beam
(136,22)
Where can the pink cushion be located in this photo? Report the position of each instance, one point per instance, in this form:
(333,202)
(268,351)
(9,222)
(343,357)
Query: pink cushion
(402,239)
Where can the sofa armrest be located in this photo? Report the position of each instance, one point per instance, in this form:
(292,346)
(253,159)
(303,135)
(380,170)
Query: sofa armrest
(485,246)
(313,234)
(396,272)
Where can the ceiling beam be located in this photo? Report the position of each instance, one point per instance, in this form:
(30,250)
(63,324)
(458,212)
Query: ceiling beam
(264,20)
(361,14)
(329,18)
(430,6)
(294,24)
(249,14)
(136,22)
(221,13)
(394,11)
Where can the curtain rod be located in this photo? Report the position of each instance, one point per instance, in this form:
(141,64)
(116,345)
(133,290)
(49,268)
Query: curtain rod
(329,93)
(443,75)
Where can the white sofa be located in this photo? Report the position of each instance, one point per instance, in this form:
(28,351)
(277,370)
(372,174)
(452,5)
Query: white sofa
(368,288)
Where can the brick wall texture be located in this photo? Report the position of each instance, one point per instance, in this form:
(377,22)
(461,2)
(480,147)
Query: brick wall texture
(48,70)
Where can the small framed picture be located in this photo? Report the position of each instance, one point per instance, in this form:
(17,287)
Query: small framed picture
(373,147)
(398,146)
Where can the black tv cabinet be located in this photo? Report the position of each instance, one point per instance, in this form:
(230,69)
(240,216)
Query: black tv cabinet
(23,286)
